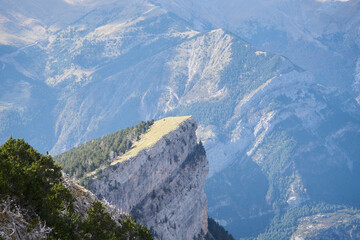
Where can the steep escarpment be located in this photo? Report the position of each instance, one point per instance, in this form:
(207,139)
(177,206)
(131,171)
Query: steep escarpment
(161,180)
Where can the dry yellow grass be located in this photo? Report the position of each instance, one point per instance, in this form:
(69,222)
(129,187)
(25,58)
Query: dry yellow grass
(155,133)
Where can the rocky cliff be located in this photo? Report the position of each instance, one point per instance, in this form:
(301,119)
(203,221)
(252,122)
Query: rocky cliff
(160,180)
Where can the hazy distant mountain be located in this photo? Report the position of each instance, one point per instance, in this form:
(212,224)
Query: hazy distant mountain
(276,133)
(319,36)
(96,46)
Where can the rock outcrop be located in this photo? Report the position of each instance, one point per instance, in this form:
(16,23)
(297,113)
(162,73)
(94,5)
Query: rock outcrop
(161,180)
(342,224)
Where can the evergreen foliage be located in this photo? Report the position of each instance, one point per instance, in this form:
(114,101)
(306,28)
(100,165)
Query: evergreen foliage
(217,232)
(33,181)
(100,225)
(102,151)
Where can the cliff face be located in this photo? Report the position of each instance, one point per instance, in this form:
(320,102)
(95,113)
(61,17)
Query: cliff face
(161,182)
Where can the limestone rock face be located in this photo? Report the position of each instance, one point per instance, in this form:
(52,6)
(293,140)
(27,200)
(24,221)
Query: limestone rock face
(162,186)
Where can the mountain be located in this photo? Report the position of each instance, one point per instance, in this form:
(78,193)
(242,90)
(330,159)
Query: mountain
(275,130)
(319,36)
(86,52)
(160,180)
(278,129)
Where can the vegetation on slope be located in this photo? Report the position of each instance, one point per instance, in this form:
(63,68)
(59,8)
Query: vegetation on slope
(216,231)
(33,182)
(286,222)
(245,74)
(100,152)
(119,146)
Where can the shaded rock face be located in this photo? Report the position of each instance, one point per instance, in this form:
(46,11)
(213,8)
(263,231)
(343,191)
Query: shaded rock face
(163,186)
